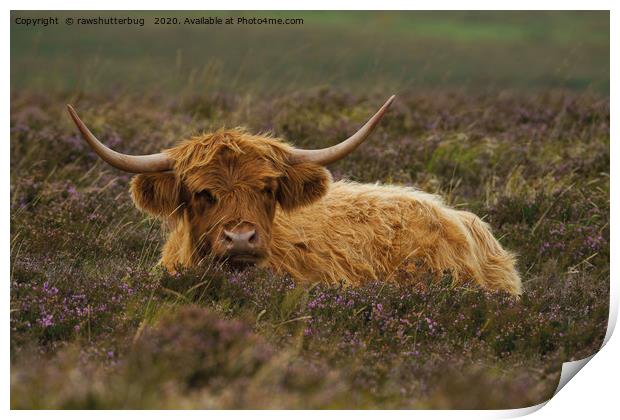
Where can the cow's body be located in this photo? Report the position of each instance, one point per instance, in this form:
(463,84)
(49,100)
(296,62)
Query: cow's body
(361,232)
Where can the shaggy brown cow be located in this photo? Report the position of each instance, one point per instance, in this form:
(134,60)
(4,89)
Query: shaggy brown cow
(256,199)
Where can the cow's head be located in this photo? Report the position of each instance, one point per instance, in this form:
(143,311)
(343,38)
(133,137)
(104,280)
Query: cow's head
(225,187)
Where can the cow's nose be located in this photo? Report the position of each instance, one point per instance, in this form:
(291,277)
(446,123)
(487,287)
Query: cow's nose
(240,241)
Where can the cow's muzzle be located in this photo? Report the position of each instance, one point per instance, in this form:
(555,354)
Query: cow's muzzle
(241,244)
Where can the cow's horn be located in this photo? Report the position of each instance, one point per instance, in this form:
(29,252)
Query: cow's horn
(157,162)
(340,150)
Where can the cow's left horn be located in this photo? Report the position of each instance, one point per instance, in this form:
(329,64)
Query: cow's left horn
(157,162)
(340,150)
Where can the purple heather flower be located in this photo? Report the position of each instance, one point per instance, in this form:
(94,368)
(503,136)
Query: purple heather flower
(46,320)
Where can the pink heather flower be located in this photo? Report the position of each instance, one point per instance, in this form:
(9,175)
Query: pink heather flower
(72,191)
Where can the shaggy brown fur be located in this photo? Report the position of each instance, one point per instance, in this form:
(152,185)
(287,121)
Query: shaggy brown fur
(309,227)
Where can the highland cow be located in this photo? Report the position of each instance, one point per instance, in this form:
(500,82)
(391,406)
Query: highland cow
(250,199)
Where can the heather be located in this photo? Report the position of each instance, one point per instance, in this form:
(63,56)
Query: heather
(94,324)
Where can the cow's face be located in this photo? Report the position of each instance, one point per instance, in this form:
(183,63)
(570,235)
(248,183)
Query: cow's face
(225,190)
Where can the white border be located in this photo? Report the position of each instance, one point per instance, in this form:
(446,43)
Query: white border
(592,394)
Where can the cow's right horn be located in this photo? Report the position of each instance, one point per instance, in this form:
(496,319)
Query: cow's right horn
(335,153)
(157,162)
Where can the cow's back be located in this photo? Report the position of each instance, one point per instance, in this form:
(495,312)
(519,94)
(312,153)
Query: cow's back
(361,232)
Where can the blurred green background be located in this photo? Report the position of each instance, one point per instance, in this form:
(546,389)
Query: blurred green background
(479,51)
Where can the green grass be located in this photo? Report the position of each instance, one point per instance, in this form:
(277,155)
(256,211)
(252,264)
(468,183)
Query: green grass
(95,325)
(388,50)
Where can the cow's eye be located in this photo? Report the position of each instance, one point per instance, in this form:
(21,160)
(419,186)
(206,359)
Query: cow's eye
(268,190)
(206,196)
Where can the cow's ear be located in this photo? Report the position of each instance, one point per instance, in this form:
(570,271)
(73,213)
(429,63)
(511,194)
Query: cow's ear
(302,184)
(158,194)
